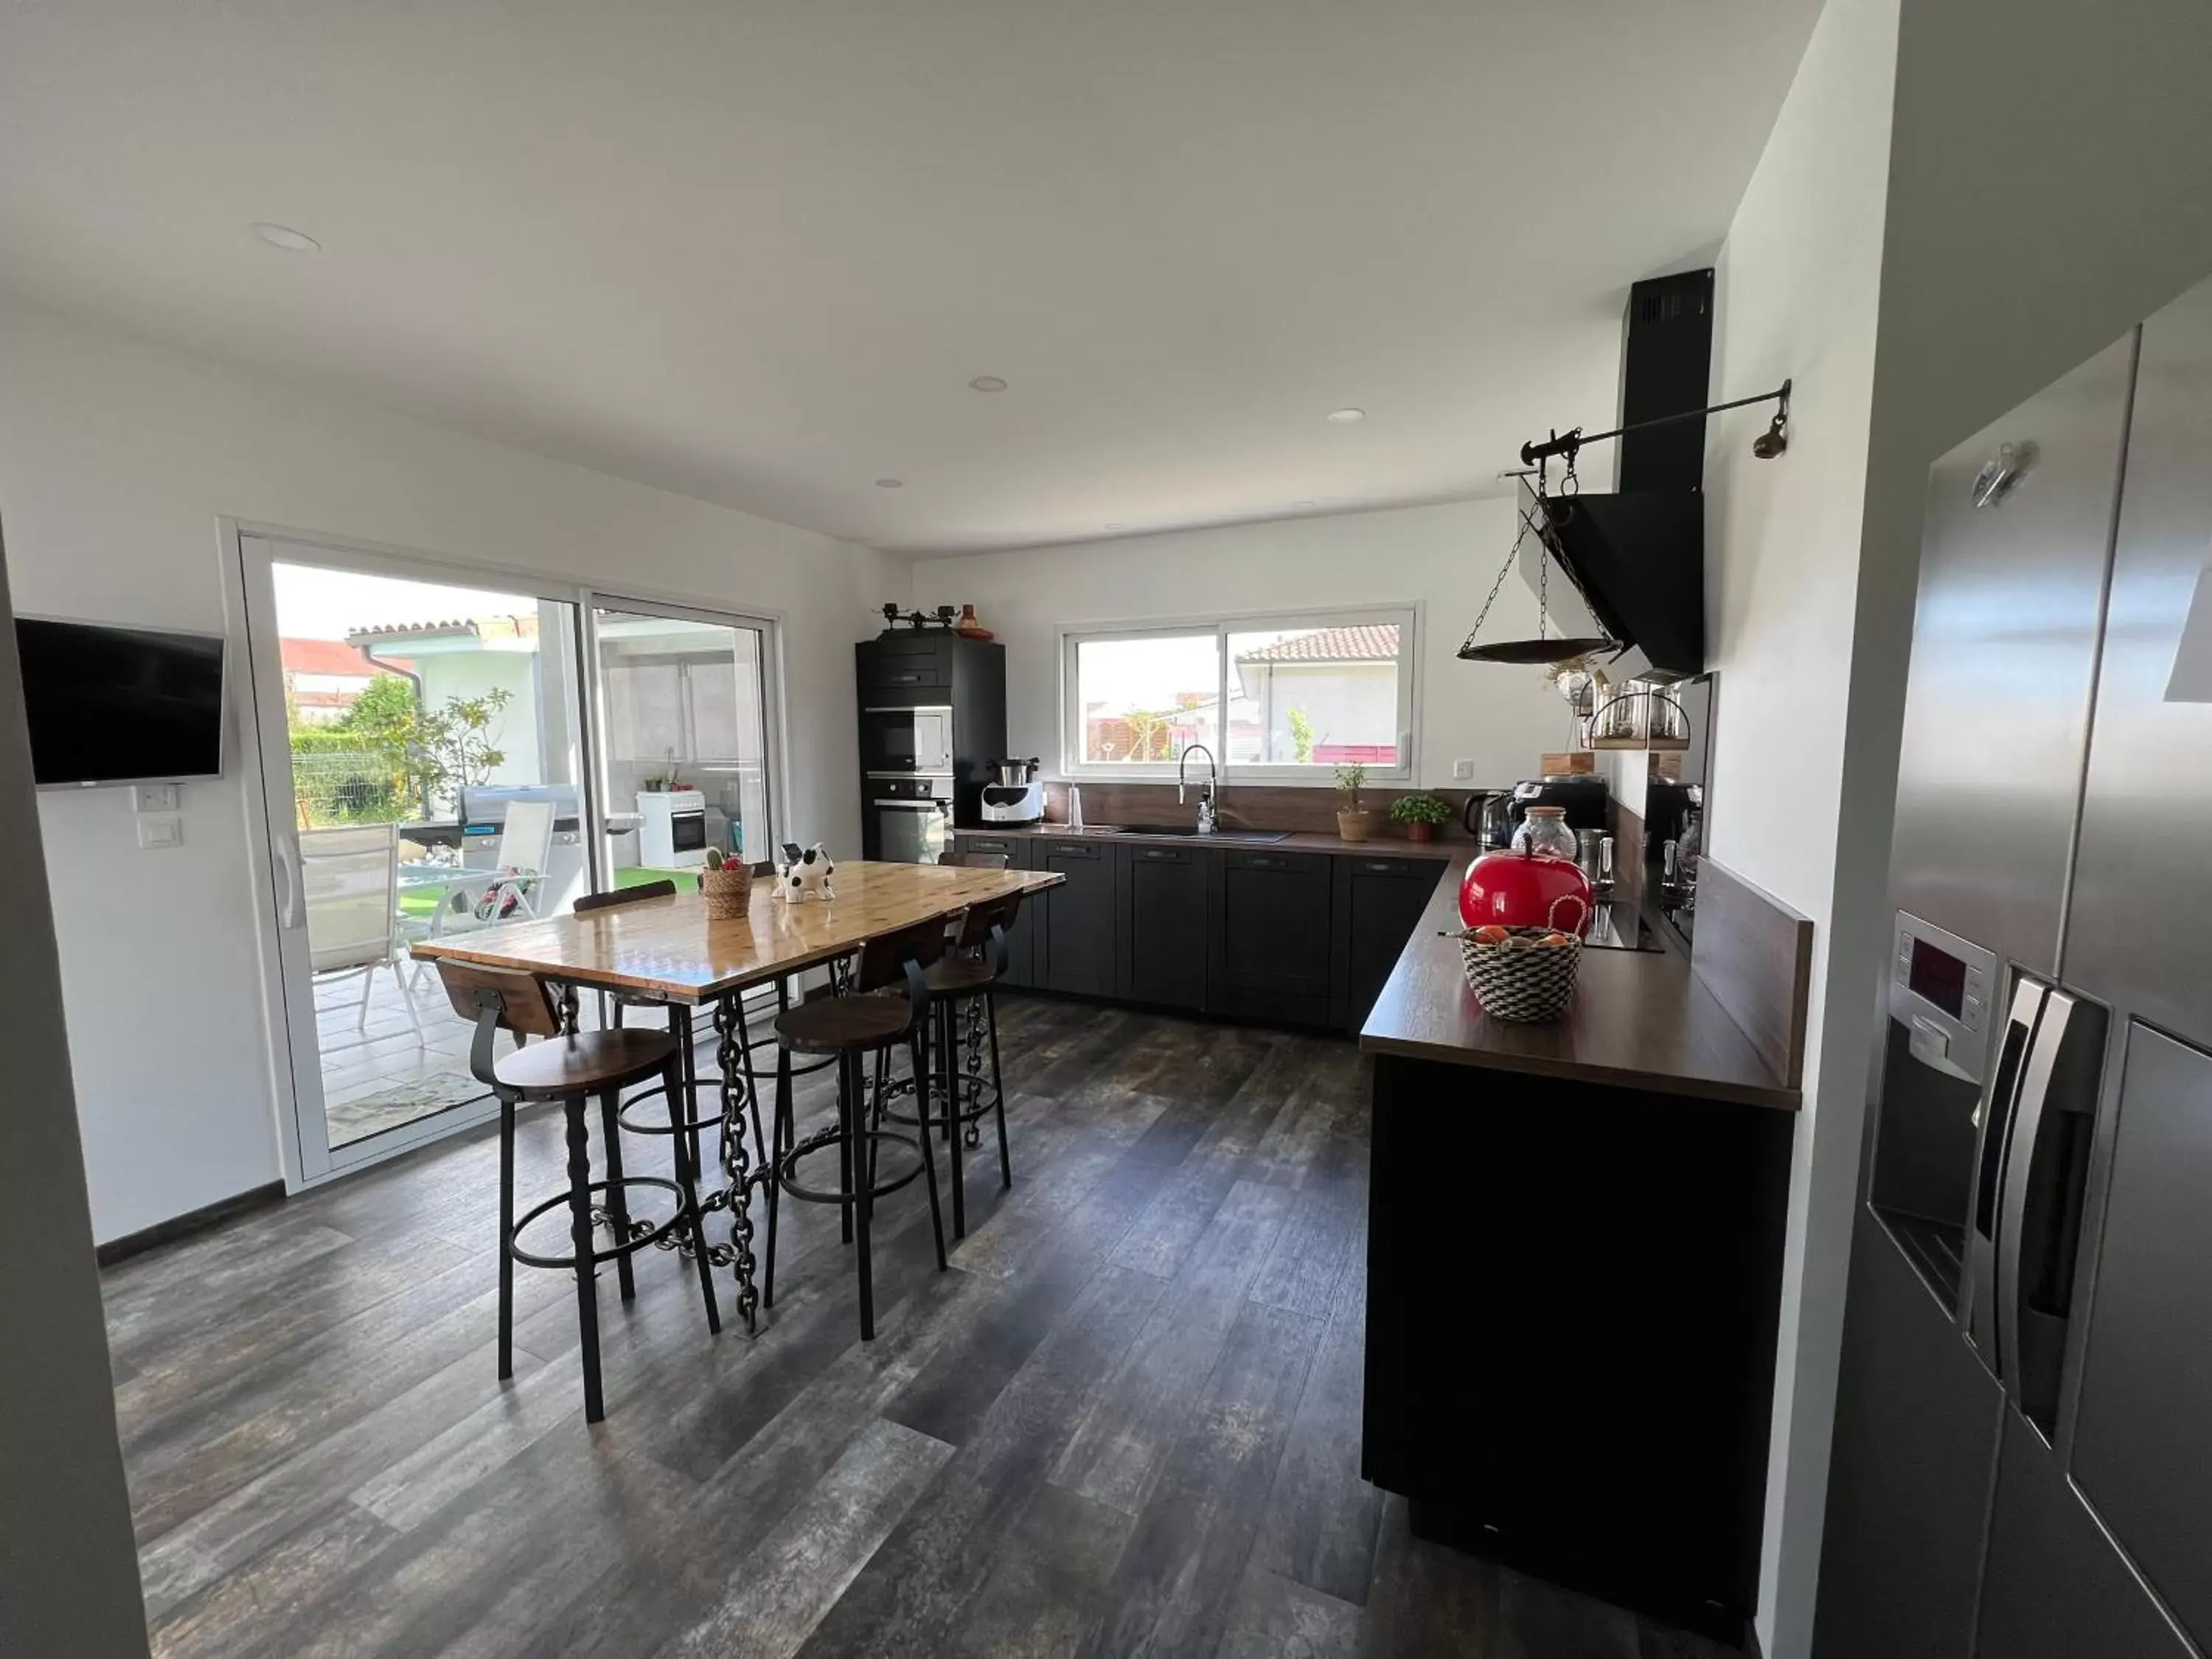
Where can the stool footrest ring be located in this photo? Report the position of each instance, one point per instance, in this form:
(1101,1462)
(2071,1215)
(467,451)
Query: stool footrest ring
(822,1140)
(624,1246)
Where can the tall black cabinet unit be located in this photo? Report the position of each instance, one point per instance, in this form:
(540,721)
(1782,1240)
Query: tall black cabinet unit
(2022,1460)
(908,670)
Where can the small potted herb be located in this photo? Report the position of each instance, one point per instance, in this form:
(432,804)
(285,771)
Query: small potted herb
(1352,818)
(1420,814)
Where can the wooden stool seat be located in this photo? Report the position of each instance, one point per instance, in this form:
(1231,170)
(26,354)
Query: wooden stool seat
(835,1025)
(584,1061)
(961,976)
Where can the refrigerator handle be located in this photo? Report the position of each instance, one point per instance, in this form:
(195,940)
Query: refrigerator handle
(2018,1173)
(1994,1115)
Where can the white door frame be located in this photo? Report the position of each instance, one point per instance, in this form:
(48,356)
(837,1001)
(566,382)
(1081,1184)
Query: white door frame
(766,625)
(248,593)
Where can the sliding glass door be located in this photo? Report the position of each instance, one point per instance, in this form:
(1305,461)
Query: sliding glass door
(685,729)
(424,774)
(443,751)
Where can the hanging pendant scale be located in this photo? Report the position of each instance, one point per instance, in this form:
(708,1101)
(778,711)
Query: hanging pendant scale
(1539,649)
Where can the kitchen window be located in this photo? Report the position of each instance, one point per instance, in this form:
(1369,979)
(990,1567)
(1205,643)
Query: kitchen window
(1279,697)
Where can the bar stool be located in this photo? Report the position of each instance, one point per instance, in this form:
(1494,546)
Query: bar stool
(887,1006)
(964,981)
(570,1067)
(690,1122)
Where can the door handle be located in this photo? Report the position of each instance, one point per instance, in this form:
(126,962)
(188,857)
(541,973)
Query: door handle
(1994,1113)
(2039,1223)
(284,862)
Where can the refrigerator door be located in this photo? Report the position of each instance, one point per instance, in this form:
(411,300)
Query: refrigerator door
(1996,721)
(2139,932)
(2053,1587)
(2143,1428)
(1915,1435)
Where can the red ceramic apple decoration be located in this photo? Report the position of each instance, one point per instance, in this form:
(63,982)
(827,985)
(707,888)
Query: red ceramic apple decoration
(1525,889)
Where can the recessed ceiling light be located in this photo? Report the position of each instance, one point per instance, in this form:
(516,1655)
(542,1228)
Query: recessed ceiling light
(1117,524)
(291,240)
(1301,506)
(890,484)
(1347,417)
(987,383)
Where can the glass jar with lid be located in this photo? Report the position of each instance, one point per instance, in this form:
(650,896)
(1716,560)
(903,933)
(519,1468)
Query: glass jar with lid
(1543,831)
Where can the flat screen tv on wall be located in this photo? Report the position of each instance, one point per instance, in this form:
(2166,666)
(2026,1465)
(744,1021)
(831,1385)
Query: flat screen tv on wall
(109,704)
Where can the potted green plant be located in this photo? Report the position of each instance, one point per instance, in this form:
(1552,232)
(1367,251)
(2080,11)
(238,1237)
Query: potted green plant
(1352,818)
(1420,814)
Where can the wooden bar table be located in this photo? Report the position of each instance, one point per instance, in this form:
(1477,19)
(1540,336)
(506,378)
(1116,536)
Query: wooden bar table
(669,950)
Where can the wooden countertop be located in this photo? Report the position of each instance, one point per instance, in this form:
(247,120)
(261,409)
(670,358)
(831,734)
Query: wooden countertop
(1640,1019)
(670,948)
(1302,841)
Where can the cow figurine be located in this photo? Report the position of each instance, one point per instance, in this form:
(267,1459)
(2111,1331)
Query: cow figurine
(808,875)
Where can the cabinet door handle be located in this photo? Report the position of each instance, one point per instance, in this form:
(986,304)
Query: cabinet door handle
(1261,861)
(1382,866)
(1161,855)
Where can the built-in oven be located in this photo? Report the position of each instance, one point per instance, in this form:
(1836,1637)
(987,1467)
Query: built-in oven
(905,741)
(909,818)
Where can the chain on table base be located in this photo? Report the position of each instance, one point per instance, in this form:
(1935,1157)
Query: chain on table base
(679,1236)
(973,1013)
(737,1157)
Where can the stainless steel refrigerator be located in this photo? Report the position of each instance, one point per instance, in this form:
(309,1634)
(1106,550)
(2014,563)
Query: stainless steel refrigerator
(2022,1462)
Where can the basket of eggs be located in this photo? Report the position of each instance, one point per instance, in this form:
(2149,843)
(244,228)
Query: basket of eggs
(1526,974)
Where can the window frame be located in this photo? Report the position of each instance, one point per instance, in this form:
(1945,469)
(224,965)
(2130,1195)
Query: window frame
(1406,617)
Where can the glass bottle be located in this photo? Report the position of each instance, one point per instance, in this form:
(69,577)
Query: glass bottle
(1543,831)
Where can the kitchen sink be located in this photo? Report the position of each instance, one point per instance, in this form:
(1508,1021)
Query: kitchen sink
(1250,837)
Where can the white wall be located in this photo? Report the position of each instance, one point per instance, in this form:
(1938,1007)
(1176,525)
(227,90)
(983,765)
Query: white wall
(1798,289)
(1442,557)
(2045,168)
(115,459)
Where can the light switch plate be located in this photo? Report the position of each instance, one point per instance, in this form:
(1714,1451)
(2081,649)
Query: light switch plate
(154,798)
(1462,770)
(163,829)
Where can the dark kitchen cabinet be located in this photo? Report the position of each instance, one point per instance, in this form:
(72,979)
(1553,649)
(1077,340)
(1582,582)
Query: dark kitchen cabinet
(1269,943)
(1916,1434)
(906,662)
(1572,1297)
(1019,948)
(1163,924)
(1378,901)
(1073,938)
(2054,1587)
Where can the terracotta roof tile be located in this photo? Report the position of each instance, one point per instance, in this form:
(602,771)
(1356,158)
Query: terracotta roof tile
(1365,642)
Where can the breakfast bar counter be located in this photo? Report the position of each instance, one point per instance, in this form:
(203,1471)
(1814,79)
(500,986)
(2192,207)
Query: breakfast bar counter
(1645,1019)
(1574,1256)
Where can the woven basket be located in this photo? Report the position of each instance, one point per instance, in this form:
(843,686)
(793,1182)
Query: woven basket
(1523,983)
(728,892)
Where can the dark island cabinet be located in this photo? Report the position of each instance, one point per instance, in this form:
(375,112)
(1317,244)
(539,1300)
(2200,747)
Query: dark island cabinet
(1073,936)
(1015,849)
(1269,945)
(1378,901)
(1164,924)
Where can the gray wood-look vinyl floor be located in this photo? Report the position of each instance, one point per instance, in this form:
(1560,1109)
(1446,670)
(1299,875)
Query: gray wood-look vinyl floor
(1126,1421)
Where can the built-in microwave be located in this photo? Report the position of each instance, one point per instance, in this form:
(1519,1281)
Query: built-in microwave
(904,741)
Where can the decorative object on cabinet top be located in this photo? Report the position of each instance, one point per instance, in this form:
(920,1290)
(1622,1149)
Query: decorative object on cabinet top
(939,621)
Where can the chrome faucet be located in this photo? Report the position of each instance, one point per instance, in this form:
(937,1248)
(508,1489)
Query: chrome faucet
(1211,786)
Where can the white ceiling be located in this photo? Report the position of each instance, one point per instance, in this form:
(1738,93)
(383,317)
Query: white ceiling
(753,253)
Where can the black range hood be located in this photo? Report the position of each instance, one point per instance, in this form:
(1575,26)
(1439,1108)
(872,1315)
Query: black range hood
(1636,561)
(1633,559)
